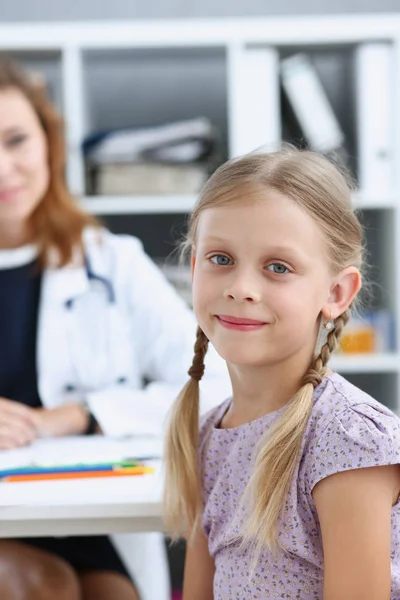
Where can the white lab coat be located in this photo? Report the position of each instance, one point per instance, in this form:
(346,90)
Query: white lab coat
(102,351)
(91,348)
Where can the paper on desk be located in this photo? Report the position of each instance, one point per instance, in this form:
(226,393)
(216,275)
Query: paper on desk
(81,449)
(124,411)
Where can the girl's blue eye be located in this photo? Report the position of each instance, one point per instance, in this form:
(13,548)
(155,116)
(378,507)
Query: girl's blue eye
(221,260)
(278,268)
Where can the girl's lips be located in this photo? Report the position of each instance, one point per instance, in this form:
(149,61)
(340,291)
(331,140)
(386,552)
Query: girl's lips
(240,324)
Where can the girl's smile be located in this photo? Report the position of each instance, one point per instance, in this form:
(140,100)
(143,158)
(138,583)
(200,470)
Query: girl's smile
(239,324)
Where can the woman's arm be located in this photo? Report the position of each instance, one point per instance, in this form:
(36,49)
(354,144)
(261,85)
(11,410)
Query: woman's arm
(70,419)
(199,570)
(354,510)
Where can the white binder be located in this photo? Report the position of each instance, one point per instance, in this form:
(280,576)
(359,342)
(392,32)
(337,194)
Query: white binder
(310,104)
(374,73)
(254,112)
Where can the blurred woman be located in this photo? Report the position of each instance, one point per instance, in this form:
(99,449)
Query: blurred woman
(85,318)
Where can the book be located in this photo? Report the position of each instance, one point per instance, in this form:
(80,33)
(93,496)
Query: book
(181,142)
(254,113)
(311,105)
(375,80)
(148,178)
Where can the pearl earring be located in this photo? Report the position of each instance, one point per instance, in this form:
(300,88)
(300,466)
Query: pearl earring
(329,324)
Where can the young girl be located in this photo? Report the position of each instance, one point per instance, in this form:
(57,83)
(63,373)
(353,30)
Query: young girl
(291,488)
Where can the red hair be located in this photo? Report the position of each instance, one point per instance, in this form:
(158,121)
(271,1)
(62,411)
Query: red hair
(58,222)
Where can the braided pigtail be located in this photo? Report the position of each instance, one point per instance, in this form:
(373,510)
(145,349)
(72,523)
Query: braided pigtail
(182,498)
(279,452)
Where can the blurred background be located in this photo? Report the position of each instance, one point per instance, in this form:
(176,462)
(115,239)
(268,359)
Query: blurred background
(42,10)
(157,94)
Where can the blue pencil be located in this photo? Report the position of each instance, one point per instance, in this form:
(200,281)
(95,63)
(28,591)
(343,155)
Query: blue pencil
(84,468)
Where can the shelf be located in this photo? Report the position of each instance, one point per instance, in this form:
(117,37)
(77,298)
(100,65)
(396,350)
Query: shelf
(366,363)
(130,205)
(330,29)
(363,201)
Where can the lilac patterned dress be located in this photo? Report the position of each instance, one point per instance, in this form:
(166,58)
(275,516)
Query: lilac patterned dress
(347,430)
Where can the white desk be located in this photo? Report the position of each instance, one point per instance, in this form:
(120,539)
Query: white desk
(82,507)
(106,506)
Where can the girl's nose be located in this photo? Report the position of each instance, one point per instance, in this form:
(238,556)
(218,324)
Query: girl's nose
(243,287)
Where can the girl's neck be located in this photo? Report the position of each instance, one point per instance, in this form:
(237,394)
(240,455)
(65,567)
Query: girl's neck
(13,235)
(259,390)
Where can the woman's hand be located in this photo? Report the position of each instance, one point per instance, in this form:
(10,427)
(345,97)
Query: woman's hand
(20,425)
(17,424)
(70,419)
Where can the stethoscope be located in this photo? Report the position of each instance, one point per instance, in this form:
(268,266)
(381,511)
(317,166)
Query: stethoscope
(85,370)
(92,276)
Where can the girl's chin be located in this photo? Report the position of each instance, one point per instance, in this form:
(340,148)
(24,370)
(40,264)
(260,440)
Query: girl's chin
(244,359)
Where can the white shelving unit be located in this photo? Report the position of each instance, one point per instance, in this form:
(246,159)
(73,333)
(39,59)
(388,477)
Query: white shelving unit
(117,205)
(113,205)
(68,49)
(386,362)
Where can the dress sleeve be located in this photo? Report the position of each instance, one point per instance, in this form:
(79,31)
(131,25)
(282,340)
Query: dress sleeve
(360,436)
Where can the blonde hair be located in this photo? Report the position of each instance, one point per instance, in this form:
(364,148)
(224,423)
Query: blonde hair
(318,187)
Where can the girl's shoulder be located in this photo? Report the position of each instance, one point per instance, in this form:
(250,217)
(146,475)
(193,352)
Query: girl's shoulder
(348,429)
(336,399)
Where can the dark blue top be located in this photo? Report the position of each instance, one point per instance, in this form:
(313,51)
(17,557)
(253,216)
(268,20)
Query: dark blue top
(19,304)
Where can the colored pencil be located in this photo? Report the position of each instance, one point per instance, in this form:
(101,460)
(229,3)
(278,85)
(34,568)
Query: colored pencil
(80,475)
(35,470)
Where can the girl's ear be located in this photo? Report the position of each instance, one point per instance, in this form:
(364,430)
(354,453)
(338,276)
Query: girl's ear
(345,288)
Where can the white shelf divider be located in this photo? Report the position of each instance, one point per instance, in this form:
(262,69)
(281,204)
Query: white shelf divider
(366,363)
(110,205)
(73,107)
(366,202)
(116,205)
(254,109)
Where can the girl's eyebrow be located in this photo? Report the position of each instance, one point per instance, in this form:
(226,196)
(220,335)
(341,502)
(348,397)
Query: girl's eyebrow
(277,251)
(268,250)
(215,238)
